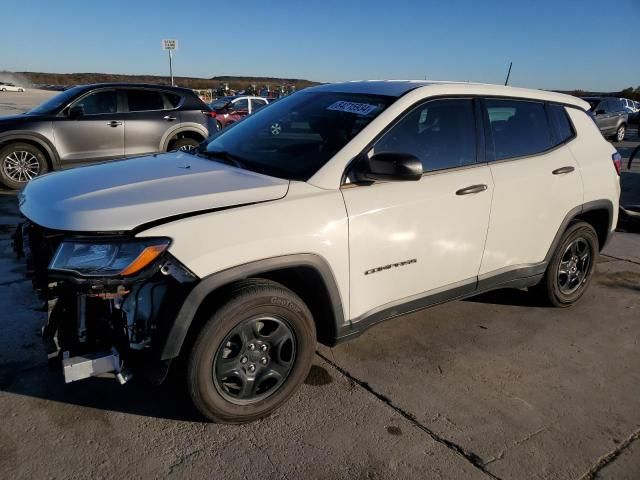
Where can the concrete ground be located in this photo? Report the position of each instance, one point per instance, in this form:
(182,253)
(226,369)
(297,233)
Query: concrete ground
(491,387)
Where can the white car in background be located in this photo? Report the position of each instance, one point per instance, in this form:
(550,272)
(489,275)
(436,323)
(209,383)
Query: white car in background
(10,87)
(629,105)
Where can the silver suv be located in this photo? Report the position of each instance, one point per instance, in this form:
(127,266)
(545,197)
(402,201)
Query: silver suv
(610,115)
(99,122)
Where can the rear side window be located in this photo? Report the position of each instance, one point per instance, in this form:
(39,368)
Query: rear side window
(441,133)
(142,100)
(174,99)
(518,128)
(560,123)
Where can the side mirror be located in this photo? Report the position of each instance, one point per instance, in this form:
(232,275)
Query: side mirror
(390,167)
(76,111)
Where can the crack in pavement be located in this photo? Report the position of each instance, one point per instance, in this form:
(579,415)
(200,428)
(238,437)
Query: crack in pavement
(470,457)
(610,457)
(620,259)
(517,443)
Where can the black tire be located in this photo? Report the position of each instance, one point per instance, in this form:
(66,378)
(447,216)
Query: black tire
(184,144)
(15,151)
(218,125)
(620,132)
(216,396)
(555,288)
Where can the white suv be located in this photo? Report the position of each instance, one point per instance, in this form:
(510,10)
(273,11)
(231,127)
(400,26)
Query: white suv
(334,209)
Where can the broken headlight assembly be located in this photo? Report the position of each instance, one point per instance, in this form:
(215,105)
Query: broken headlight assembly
(113,258)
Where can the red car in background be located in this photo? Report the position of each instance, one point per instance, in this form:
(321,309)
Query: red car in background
(228,110)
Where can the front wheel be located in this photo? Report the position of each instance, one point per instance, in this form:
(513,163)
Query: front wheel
(252,354)
(185,144)
(620,133)
(19,163)
(571,268)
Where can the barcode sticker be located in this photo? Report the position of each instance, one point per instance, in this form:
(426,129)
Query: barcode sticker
(352,107)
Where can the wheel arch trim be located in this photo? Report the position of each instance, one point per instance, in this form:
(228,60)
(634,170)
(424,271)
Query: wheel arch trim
(207,285)
(33,137)
(182,128)
(601,204)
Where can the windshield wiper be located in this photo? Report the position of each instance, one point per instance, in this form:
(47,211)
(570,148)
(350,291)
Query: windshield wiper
(225,156)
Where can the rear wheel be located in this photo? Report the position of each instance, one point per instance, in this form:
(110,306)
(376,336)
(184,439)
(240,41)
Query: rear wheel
(571,268)
(19,163)
(621,132)
(252,354)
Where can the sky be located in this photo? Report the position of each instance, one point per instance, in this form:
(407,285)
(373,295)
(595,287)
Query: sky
(554,44)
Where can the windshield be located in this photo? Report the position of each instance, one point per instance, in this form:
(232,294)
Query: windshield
(299,134)
(54,103)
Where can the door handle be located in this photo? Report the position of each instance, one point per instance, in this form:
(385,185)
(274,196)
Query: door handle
(114,123)
(562,170)
(169,118)
(471,189)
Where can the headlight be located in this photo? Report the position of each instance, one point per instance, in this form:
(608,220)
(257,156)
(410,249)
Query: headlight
(107,259)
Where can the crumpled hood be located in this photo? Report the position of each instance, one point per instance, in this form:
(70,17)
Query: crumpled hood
(122,195)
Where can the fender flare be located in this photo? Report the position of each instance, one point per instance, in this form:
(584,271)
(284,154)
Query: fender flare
(187,312)
(41,140)
(575,212)
(183,127)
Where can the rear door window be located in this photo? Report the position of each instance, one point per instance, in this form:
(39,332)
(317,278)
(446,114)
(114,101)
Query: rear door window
(518,128)
(144,100)
(257,104)
(441,133)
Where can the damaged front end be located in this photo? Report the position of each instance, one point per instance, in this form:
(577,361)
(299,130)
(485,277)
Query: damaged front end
(111,300)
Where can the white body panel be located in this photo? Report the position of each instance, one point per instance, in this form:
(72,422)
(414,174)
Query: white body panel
(123,195)
(594,157)
(307,220)
(423,221)
(529,205)
(453,238)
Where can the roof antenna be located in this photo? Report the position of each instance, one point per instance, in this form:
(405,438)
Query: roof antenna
(508,74)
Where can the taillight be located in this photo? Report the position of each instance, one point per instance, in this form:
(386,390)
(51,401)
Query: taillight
(617,162)
(209,113)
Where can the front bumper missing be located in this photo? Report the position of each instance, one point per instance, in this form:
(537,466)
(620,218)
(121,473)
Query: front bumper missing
(94,365)
(97,326)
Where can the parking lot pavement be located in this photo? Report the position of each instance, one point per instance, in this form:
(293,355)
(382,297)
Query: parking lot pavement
(12,103)
(494,386)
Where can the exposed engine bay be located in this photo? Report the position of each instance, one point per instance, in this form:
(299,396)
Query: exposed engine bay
(103,320)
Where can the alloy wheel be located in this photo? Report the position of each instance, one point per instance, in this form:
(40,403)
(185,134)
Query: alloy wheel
(621,133)
(21,166)
(574,266)
(254,359)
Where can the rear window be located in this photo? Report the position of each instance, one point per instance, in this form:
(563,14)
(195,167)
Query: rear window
(560,123)
(143,100)
(518,128)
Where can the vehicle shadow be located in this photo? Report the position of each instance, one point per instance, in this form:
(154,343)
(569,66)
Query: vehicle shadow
(138,397)
(508,296)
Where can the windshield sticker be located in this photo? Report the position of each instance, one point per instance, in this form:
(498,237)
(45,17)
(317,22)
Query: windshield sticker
(352,107)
